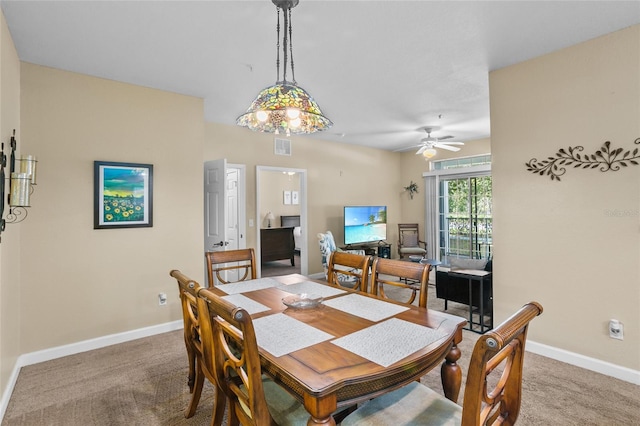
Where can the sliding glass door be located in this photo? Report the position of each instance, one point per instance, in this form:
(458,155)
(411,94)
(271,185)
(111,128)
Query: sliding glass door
(464,217)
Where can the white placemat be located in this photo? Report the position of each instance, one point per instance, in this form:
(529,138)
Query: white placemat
(249,285)
(279,334)
(389,341)
(365,307)
(310,287)
(249,305)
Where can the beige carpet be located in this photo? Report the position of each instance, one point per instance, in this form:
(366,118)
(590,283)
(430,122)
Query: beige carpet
(143,382)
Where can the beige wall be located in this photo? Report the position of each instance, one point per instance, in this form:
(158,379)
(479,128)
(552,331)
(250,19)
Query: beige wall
(272,187)
(337,175)
(79,283)
(573,245)
(10,249)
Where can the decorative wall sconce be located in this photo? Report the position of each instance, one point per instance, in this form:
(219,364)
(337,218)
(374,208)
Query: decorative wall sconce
(21,183)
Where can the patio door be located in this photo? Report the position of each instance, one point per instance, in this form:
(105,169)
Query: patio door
(464,219)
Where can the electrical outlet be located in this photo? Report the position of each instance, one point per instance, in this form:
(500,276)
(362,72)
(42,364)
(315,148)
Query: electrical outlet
(616,329)
(162,299)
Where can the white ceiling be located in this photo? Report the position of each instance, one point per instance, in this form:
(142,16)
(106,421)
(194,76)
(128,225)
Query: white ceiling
(380,70)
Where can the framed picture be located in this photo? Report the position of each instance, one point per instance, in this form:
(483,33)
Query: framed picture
(122,195)
(294,197)
(287,197)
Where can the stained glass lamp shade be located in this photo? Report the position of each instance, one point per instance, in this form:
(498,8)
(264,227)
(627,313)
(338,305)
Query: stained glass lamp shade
(284,108)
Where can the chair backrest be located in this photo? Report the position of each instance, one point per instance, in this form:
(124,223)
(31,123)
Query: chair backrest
(223,265)
(408,235)
(349,270)
(188,289)
(327,246)
(231,351)
(413,276)
(489,397)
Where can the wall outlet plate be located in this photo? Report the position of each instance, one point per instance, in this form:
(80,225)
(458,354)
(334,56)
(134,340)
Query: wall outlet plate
(162,299)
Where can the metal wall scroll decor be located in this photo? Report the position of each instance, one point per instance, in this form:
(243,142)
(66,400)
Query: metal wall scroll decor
(605,159)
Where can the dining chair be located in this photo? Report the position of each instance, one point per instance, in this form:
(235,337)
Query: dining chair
(349,270)
(401,274)
(222,266)
(492,392)
(189,289)
(327,246)
(231,352)
(409,242)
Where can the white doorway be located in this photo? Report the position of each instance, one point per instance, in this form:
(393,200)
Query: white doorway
(262,207)
(224,206)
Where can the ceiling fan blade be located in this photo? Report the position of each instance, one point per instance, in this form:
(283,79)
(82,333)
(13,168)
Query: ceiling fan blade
(452,143)
(445,137)
(447,147)
(422,149)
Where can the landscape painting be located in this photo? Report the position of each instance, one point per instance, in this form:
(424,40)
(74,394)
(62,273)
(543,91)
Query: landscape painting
(123,196)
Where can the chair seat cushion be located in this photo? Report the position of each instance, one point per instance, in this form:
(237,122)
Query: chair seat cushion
(414,404)
(284,408)
(412,250)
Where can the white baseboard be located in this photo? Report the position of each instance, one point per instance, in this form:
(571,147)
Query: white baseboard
(75,348)
(599,366)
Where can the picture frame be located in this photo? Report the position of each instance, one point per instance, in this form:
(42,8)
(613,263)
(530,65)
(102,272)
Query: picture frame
(287,197)
(122,195)
(294,197)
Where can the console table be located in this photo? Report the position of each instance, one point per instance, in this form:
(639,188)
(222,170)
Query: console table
(277,244)
(478,277)
(380,249)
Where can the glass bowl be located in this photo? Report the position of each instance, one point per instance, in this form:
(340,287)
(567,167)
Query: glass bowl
(303,301)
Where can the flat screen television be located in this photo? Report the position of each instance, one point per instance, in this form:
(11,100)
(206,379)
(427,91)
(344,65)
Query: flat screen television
(365,224)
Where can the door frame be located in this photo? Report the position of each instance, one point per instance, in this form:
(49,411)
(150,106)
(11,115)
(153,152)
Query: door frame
(304,253)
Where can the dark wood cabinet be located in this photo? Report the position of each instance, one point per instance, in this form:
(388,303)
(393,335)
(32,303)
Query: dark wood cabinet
(277,244)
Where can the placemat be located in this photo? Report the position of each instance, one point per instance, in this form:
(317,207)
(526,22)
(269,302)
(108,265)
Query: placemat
(310,287)
(279,334)
(249,305)
(249,285)
(390,341)
(365,307)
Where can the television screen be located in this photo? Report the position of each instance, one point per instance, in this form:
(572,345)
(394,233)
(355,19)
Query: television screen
(365,224)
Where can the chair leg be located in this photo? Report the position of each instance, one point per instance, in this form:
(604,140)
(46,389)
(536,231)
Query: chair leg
(197,391)
(192,366)
(219,405)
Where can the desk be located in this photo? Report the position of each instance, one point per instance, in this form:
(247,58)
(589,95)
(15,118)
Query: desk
(326,377)
(479,277)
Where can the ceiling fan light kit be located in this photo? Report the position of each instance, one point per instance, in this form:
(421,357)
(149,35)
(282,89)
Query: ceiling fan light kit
(284,107)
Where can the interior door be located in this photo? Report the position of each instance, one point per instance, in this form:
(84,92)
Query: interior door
(224,208)
(215,195)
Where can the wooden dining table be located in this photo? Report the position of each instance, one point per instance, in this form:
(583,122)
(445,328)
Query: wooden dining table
(352,359)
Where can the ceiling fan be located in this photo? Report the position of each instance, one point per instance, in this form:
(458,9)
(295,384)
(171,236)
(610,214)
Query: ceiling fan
(428,144)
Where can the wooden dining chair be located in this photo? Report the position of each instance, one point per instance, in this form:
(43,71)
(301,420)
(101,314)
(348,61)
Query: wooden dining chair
(349,270)
(492,392)
(189,289)
(400,274)
(231,352)
(222,266)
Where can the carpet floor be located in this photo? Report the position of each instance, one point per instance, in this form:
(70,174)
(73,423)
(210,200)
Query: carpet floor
(144,382)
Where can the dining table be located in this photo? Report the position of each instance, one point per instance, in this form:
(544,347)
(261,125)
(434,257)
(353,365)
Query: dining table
(348,349)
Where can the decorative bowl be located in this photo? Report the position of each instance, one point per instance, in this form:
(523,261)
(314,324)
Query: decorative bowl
(415,258)
(303,301)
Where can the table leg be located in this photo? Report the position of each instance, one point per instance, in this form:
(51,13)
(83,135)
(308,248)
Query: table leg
(470,304)
(451,373)
(321,410)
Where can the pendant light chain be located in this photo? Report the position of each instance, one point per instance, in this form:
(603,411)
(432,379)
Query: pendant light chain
(278,45)
(287,25)
(293,72)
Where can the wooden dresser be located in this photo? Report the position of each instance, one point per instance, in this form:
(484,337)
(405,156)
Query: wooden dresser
(277,244)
